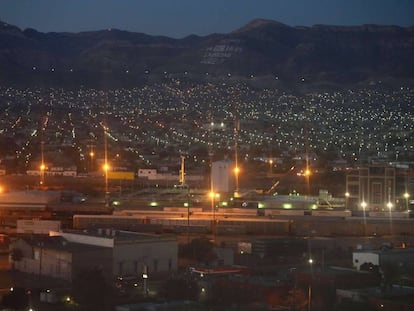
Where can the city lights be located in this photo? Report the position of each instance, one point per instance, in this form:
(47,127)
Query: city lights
(106,167)
(282,178)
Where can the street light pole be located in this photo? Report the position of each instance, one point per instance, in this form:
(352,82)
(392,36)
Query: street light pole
(213,225)
(106,168)
(406,197)
(270,167)
(144,278)
(364,206)
(347,200)
(310,285)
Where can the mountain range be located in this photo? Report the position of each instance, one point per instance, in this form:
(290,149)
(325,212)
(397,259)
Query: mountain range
(262,49)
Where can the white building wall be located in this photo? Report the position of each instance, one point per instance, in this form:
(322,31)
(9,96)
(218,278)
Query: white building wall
(158,256)
(54,263)
(223,176)
(46,262)
(359,258)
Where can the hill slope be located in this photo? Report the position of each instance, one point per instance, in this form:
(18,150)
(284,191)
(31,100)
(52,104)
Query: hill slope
(112,58)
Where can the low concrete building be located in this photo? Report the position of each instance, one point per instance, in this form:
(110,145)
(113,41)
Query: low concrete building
(386,256)
(132,252)
(57,258)
(116,253)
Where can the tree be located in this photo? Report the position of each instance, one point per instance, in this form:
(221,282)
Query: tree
(16,254)
(297,299)
(354,306)
(390,275)
(91,290)
(179,289)
(200,249)
(368,266)
(18,299)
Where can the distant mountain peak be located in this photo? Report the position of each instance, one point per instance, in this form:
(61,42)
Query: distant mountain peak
(260,23)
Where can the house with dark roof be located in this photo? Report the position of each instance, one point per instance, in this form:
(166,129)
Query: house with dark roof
(116,253)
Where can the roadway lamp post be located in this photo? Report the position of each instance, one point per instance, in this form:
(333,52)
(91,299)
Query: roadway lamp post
(270,167)
(236,174)
(42,174)
(390,206)
(213,197)
(406,197)
(310,261)
(106,169)
(145,278)
(364,206)
(347,200)
(307,175)
(212,211)
(91,155)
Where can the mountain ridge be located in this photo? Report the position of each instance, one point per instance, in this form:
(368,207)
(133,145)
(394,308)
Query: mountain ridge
(261,48)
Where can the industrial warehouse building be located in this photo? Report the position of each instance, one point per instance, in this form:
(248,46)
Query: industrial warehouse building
(65,254)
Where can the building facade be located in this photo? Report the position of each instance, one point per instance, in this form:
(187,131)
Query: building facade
(64,254)
(222,176)
(371,188)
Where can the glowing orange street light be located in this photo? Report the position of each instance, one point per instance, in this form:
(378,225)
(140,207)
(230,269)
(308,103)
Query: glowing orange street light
(236,173)
(42,173)
(214,195)
(106,168)
(307,174)
(91,156)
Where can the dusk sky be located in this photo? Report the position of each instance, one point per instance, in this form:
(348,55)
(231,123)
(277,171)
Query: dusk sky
(180,18)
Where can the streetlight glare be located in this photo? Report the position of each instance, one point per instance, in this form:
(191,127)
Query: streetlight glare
(213,194)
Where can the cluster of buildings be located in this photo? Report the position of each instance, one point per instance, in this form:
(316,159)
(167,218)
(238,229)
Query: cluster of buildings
(65,254)
(144,133)
(146,127)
